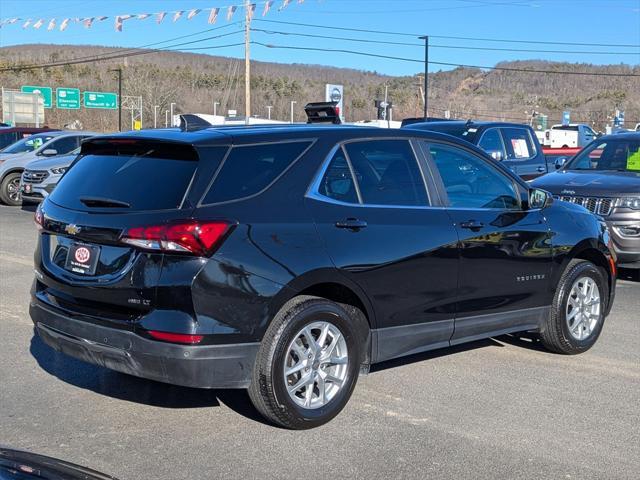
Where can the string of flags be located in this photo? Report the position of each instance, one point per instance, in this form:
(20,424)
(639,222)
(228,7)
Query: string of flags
(212,16)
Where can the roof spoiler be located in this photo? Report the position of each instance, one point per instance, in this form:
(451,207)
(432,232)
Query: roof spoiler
(323,112)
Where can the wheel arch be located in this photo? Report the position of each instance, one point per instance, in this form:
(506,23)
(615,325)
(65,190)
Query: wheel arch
(591,251)
(332,285)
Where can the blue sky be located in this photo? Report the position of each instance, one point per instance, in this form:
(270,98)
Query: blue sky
(575,21)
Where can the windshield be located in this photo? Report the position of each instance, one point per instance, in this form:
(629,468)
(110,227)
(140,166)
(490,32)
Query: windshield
(619,154)
(28,144)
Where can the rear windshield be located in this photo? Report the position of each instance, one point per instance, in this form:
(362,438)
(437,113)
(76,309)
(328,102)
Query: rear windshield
(467,132)
(249,169)
(132,177)
(571,128)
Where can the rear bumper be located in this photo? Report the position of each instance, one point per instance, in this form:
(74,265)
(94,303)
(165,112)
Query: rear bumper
(201,366)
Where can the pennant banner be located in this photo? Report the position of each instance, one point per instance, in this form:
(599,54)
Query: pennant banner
(88,22)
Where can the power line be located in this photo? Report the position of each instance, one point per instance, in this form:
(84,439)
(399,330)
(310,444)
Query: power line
(431,45)
(116,56)
(135,49)
(405,34)
(413,60)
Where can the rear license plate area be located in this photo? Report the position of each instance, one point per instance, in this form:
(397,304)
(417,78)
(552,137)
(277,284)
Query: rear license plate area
(82,258)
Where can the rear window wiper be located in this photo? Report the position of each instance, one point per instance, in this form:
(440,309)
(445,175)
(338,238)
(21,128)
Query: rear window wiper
(104,202)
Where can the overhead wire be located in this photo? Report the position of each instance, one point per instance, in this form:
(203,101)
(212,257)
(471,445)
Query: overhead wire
(449,64)
(477,39)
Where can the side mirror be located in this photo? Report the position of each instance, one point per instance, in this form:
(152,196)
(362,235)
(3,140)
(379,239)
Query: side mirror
(49,152)
(496,155)
(539,199)
(559,163)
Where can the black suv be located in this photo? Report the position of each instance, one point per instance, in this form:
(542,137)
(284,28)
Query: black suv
(513,144)
(287,259)
(605,179)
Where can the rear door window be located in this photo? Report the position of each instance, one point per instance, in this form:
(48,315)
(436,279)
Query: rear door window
(142,175)
(7,139)
(518,144)
(250,169)
(387,173)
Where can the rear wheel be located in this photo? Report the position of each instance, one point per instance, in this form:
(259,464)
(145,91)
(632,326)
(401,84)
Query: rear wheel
(577,314)
(308,364)
(10,189)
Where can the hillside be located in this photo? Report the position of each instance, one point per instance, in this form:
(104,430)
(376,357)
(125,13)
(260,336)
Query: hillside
(195,81)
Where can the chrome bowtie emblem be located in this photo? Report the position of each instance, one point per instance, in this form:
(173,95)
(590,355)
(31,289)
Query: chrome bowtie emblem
(71,229)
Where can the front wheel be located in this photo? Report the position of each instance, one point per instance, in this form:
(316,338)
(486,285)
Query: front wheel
(10,190)
(307,365)
(577,313)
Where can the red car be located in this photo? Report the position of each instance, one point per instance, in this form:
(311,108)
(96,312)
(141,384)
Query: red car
(9,135)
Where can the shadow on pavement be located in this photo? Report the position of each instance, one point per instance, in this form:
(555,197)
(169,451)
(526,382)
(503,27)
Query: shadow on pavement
(441,352)
(137,390)
(632,274)
(29,207)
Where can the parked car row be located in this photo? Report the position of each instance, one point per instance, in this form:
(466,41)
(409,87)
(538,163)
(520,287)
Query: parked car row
(33,150)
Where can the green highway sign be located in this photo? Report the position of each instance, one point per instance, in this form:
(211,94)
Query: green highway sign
(68,98)
(45,91)
(100,100)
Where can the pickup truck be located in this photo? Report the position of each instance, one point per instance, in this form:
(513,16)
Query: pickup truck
(574,135)
(513,144)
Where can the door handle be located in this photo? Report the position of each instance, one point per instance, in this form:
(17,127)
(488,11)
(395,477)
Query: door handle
(541,169)
(351,224)
(472,225)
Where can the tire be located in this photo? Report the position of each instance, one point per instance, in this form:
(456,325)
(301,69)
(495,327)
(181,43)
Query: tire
(269,389)
(567,330)
(8,195)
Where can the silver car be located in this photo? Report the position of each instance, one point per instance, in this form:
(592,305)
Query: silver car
(14,158)
(40,177)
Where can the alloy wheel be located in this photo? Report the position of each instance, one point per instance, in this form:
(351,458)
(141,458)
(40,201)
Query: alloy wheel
(315,366)
(583,308)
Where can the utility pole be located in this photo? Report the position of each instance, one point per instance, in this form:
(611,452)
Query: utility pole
(426,75)
(269,107)
(247,63)
(119,72)
(155,116)
(293,102)
(215,109)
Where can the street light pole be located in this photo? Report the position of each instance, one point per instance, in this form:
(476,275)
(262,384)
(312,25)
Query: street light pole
(215,105)
(119,72)
(155,116)
(171,117)
(269,107)
(166,118)
(426,75)
(293,102)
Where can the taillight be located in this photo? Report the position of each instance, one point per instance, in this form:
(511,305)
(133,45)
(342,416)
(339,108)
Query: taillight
(175,337)
(197,238)
(38,217)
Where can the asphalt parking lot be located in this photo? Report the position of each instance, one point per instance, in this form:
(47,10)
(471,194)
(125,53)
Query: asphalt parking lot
(501,408)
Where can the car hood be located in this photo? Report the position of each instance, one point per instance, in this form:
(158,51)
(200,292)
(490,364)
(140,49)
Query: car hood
(49,163)
(590,183)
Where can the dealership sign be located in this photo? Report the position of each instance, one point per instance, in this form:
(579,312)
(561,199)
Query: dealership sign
(335,93)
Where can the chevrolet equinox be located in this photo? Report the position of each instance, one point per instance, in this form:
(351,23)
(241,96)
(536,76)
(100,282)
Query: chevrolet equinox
(288,259)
